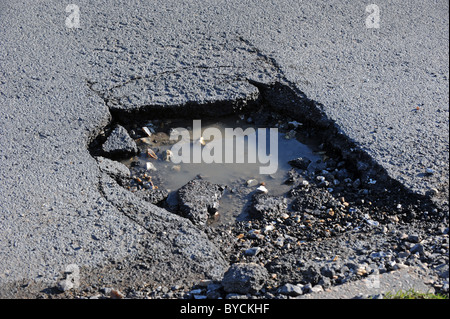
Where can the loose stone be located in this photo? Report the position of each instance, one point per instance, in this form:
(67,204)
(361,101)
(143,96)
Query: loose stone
(316,289)
(147,131)
(150,166)
(119,143)
(301,163)
(252,182)
(291,290)
(244,278)
(417,248)
(195,292)
(262,189)
(414,238)
(284,216)
(252,251)
(268,228)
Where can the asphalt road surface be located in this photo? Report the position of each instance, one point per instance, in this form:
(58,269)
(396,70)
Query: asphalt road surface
(381,75)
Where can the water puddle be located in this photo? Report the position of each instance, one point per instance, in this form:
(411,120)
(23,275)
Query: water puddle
(241,172)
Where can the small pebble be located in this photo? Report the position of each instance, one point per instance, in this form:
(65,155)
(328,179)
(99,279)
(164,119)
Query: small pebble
(295,124)
(434,191)
(393,219)
(262,189)
(195,292)
(414,238)
(268,228)
(252,251)
(150,167)
(147,131)
(252,182)
(279,242)
(316,289)
(361,271)
(372,222)
(291,290)
(403,236)
(116,294)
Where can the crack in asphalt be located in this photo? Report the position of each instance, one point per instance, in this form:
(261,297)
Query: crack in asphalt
(101,190)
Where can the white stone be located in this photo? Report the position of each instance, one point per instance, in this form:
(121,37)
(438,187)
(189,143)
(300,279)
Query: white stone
(262,189)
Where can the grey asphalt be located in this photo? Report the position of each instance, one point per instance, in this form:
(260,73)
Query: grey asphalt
(375,286)
(386,88)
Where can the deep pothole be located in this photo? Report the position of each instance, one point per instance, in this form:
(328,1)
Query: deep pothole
(243,156)
(323,185)
(328,205)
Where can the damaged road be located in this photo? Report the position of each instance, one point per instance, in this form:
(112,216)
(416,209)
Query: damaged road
(61,87)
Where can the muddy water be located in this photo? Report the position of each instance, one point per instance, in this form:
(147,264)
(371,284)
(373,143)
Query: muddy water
(241,179)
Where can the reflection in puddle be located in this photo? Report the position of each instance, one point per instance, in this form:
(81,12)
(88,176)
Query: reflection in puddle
(242,177)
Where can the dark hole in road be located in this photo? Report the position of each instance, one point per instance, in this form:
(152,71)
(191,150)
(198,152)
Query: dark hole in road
(342,195)
(153,167)
(341,189)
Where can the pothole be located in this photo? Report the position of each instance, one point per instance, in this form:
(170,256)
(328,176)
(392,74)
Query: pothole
(323,187)
(312,160)
(233,157)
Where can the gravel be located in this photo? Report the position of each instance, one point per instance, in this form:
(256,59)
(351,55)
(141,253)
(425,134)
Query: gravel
(274,256)
(312,238)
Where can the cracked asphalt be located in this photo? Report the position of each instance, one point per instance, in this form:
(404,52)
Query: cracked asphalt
(385,88)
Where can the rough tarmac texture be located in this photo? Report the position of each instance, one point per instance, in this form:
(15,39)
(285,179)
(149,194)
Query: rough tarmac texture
(244,278)
(386,88)
(376,286)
